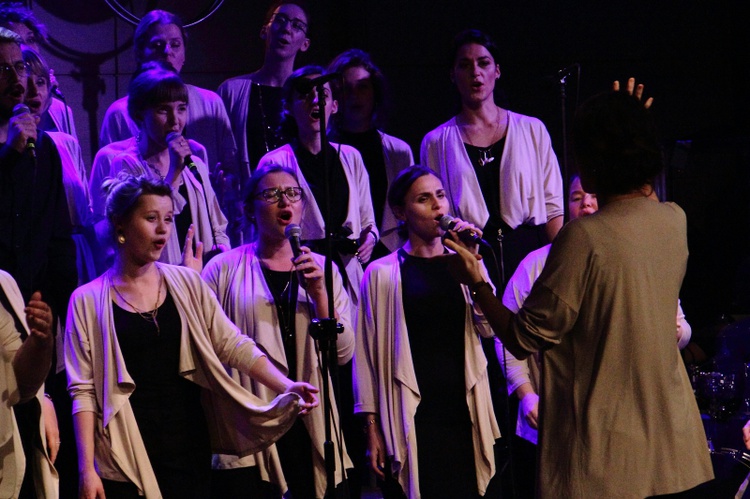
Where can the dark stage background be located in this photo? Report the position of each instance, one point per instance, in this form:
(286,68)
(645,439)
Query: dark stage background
(692,55)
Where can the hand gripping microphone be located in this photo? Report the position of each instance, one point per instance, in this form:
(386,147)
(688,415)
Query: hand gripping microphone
(293,232)
(194,170)
(188,159)
(18,110)
(468,236)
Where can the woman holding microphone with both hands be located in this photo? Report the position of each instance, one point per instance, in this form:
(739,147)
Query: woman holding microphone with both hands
(421,381)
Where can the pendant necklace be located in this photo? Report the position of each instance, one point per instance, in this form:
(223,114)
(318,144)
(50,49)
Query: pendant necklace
(285,317)
(156,170)
(264,121)
(147,316)
(149,165)
(485,153)
(484,156)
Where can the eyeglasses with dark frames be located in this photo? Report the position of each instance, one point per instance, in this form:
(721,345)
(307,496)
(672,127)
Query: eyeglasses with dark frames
(281,20)
(21,69)
(273,195)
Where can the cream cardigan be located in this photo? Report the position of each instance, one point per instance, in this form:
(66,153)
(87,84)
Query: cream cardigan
(530,180)
(238,422)
(385,382)
(12,458)
(237,278)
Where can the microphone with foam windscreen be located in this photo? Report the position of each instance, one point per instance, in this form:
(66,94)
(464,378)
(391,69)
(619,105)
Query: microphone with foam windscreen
(468,236)
(293,232)
(18,110)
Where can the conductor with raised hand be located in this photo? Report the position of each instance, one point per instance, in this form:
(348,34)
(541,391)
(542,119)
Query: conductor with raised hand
(610,424)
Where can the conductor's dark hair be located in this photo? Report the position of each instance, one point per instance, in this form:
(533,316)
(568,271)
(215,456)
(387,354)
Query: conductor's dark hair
(616,144)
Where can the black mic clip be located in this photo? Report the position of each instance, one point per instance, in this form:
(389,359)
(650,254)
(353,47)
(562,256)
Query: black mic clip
(303,86)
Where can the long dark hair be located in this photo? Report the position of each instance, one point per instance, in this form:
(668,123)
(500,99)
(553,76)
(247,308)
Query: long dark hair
(153,87)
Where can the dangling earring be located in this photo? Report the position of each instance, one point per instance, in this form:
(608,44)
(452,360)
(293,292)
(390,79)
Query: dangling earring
(121,239)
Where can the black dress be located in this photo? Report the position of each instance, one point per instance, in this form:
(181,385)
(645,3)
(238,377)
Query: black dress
(166,406)
(435,311)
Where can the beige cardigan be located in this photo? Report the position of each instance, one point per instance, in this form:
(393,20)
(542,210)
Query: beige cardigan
(238,422)
(237,278)
(12,459)
(386,384)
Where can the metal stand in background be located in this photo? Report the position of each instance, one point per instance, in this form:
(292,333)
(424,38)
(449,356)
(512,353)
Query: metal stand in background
(563,75)
(325,331)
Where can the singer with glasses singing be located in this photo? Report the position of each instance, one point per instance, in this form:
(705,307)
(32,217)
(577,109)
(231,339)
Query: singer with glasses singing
(352,217)
(421,383)
(146,345)
(272,288)
(158,103)
(36,247)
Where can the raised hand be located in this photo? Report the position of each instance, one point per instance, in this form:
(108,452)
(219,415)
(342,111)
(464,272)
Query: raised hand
(634,89)
(39,318)
(189,259)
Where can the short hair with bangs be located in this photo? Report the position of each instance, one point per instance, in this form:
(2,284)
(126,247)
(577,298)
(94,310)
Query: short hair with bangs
(154,86)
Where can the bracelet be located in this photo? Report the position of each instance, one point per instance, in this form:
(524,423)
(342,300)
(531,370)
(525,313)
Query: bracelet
(477,286)
(369,423)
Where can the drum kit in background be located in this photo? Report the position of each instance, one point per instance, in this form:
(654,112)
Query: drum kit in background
(722,391)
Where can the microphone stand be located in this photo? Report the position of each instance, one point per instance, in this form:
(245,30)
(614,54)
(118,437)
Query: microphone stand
(563,97)
(563,75)
(325,331)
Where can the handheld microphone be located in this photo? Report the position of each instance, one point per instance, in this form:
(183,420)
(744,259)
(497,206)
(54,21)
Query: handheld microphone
(18,110)
(293,232)
(447,223)
(303,86)
(188,159)
(194,170)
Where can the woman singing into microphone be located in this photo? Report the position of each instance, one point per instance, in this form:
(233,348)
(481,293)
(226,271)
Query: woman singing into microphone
(158,103)
(352,217)
(145,349)
(421,380)
(272,296)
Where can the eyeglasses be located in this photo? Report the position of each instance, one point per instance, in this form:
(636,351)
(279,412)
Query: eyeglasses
(21,69)
(281,20)
(273,195)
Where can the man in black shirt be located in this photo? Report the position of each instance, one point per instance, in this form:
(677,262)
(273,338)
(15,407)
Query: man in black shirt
(36,247)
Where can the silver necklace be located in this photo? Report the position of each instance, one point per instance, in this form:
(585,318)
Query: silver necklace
(485,153)
(156,170)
